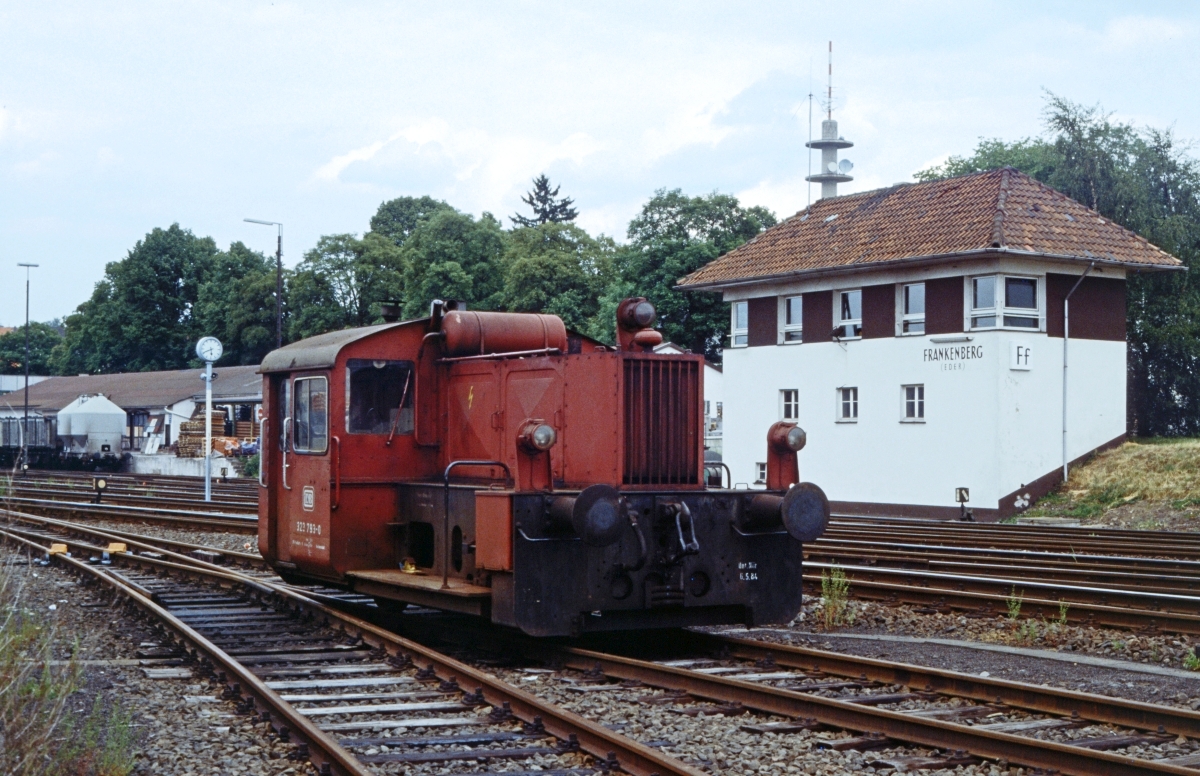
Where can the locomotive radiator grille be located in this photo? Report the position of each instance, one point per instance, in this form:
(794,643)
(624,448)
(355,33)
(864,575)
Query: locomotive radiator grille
(662,421)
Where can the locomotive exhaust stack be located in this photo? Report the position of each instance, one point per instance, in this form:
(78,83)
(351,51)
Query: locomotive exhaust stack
(495,464)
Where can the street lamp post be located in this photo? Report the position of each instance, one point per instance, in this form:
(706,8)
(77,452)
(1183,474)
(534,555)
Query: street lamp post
(25,422)
(278,276)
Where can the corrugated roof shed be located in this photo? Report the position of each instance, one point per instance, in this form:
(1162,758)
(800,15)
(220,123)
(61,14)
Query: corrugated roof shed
(138,390)
(984,213)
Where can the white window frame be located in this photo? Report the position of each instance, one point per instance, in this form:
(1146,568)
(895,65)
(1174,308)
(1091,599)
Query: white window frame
(841,407)
(791,331)
(1000,310)
(707,408)
(789,404)
(720,411)
(760,473)
(909,320)
(840,323)
(736,333)
(918,401)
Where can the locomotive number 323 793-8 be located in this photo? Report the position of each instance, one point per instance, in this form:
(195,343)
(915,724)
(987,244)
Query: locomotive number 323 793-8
(308,528)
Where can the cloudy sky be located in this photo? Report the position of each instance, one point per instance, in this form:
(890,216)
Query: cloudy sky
(119,117)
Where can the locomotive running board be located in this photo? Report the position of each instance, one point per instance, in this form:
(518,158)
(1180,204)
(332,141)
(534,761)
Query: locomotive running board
(422,590)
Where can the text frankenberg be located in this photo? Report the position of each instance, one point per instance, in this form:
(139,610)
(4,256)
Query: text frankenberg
(954,353)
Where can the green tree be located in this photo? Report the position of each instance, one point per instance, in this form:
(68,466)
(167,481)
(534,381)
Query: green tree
(43,338)
(141,315)
(1143,180)
(397,218)
(341,281)
(558,269)
(450,255)
(237,304)
(547,207)
(674,235)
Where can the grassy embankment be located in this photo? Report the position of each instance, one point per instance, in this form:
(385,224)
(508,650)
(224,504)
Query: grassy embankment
(44,729)
(1147,483)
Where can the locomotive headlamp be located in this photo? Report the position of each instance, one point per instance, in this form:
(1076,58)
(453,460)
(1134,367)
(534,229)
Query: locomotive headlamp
(787,438)
(538,437)
(636,314)
(796,439)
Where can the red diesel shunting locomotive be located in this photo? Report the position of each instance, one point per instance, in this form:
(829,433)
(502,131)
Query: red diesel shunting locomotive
(494,464)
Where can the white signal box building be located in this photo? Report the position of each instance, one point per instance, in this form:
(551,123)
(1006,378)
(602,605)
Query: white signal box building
(917,334)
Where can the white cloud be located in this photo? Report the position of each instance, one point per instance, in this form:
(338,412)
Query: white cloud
(38,164)
(1131,31)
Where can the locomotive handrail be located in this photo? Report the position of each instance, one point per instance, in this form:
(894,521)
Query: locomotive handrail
(283,461)
(446,509)
(262,470)
(337,472)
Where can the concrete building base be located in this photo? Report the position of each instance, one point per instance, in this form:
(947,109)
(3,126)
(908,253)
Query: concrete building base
(140,463)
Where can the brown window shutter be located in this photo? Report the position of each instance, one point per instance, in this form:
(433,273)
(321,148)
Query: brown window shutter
(1097,307)
(879,311)
(944,305)
(763,321)
(818,316)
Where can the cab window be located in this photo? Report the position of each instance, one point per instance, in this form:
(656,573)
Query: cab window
(381,397)
(311,415)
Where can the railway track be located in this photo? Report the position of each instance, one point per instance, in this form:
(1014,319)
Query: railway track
(358,699)
(177,518)
(365,700)
(134,491)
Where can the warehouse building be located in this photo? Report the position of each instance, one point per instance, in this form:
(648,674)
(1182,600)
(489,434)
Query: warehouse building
(917,334)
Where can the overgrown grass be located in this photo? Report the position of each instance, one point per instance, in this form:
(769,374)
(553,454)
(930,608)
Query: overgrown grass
(1013,603)
(40,733)
(1158,470)
(835,598)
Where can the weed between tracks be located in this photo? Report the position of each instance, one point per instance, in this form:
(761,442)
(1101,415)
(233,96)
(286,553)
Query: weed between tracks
(836,609)
(40,732)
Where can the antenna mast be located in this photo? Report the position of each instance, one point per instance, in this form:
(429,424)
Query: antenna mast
(831,172)
(809,143)
(829,103)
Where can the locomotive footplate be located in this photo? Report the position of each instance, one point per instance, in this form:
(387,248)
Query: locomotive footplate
(659,559)
(397,585)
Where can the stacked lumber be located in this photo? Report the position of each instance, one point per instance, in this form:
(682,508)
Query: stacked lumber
(191,433)
(245,429)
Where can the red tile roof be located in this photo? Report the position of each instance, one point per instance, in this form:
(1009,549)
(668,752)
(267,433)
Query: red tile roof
(986,213)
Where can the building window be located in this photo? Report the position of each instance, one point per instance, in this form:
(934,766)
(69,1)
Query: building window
(847,405)
(740,336)
(760,473)
(310,432)
(913,318)
(1009,301)
(789,404)
(914,403)
(793,319)
(707,408)
(720,411)
(850,315)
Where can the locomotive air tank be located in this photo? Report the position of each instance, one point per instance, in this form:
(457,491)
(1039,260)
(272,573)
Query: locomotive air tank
(499,465)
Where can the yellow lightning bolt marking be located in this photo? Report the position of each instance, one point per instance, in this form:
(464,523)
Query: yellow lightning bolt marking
(470,397)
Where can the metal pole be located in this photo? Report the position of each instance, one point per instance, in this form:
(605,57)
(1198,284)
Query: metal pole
(279,288)
(208,430)
(1066,341)
(25,420)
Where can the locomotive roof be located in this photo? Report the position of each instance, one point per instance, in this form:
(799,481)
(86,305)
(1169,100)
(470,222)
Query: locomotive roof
(319,352)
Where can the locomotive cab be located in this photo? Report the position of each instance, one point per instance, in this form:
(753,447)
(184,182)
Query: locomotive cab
(494,464)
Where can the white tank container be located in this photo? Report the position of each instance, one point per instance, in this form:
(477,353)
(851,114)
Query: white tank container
(92,425)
